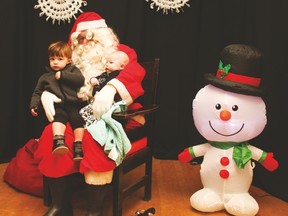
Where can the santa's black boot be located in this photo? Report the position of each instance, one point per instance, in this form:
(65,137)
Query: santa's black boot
(95,199)
(60,194)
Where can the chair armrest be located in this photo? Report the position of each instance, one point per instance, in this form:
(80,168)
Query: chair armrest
(130,113)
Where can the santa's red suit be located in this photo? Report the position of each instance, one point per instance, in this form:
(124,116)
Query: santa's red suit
(56,169)
(129,83)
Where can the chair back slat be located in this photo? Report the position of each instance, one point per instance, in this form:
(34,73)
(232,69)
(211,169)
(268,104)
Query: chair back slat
(150,82)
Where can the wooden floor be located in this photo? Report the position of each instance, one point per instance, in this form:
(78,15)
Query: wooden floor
(173,184)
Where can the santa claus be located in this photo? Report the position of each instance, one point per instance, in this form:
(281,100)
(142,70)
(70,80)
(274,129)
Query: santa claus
(91,40)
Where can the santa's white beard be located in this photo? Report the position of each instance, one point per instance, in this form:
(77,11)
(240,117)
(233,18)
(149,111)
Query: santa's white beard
(90,59)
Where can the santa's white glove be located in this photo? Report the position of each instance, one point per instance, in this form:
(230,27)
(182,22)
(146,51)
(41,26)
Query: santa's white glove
(103,101)
(48,99)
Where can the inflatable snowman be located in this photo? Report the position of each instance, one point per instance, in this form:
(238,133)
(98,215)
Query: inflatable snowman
(228,112)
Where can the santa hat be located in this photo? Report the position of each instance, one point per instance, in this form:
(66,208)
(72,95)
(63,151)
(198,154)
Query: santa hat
(88,20)
(239,70)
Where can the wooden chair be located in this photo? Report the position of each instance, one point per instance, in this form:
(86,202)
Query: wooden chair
(142,156)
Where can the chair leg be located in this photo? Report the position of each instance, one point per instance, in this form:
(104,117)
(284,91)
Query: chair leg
(116,184)
(148,181)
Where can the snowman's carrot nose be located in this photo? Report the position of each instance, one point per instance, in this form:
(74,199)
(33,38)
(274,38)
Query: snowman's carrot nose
(225,115)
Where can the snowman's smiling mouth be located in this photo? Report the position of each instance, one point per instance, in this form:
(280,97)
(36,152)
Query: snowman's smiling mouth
(226,134)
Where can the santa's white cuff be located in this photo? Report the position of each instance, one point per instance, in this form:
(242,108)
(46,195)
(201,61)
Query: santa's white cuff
(122,91)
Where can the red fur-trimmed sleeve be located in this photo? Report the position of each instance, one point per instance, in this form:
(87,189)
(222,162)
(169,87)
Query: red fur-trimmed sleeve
(128,82)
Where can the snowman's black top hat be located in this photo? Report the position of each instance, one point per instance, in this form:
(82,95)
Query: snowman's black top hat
(239,70)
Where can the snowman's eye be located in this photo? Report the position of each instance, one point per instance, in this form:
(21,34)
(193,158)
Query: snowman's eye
(235,107)
(218,106)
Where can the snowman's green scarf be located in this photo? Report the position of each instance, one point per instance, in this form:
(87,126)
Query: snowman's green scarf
(241,153)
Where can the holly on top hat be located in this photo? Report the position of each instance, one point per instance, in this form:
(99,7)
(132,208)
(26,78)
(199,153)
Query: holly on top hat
(239,70)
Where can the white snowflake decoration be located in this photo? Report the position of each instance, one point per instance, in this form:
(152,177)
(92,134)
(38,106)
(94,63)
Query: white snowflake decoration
(61,10)
(169,5)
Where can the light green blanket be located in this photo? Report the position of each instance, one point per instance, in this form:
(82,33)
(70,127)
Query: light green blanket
(109,133)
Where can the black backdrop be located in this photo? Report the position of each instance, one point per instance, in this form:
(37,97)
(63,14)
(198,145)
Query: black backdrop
(188,44)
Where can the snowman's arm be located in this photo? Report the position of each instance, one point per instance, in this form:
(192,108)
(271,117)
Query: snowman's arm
(192,152)
(266,159)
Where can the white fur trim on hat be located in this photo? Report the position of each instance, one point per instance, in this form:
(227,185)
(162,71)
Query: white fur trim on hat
(94,24)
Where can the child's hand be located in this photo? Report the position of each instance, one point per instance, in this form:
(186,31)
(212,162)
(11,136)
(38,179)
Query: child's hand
(94,81)
(34,111)
(57,75)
